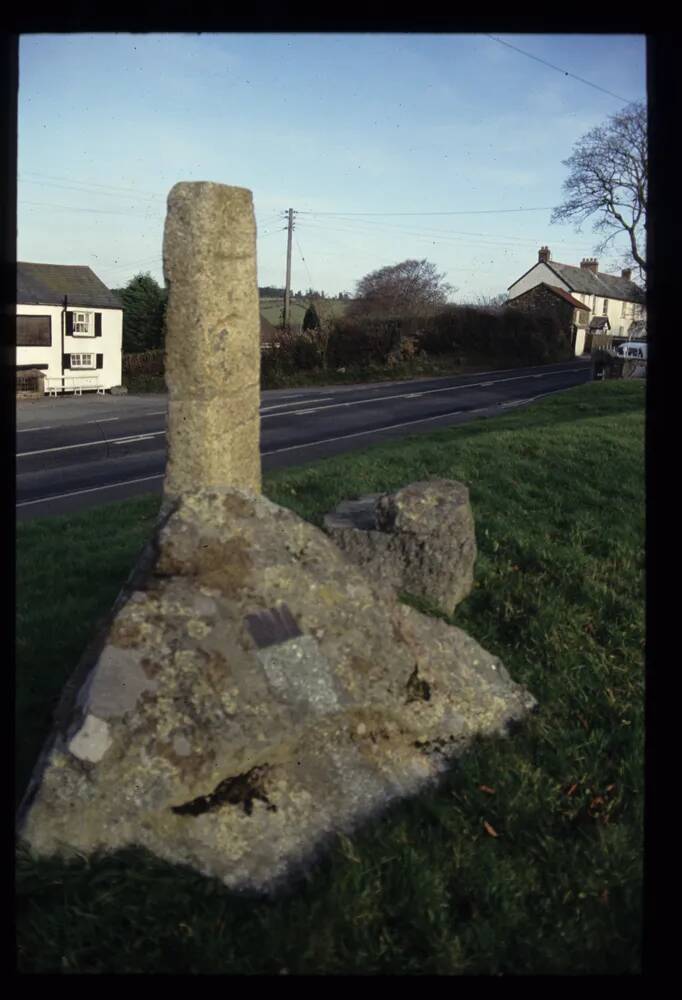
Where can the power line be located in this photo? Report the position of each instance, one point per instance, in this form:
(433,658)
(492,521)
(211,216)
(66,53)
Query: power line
(431,238)
(310,277)
(487,211)
(430,231)
(49,179)
(558,68)
(156,259)
(78,208)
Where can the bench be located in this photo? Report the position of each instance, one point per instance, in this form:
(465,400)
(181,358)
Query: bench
(73,383)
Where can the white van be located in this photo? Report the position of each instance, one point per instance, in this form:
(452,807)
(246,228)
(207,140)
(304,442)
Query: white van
(632,349)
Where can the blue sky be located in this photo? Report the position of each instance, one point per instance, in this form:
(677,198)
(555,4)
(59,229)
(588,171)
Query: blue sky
(324,123)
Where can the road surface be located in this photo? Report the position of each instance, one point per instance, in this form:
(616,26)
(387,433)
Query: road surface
(79,452)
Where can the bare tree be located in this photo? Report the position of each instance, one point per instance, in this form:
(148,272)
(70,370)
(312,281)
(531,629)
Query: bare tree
(608,180)
(411,288)
(492,303)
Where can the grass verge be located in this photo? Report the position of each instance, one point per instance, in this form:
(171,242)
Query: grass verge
(433,366)
(558,496)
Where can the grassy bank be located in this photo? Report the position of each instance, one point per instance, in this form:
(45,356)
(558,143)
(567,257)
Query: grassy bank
(528,859)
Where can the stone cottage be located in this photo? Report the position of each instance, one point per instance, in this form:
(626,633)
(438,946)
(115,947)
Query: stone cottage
(616,298)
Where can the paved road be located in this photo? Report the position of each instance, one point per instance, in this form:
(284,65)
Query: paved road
(74,453)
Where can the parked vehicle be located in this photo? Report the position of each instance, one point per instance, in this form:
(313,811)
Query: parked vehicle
(632,349)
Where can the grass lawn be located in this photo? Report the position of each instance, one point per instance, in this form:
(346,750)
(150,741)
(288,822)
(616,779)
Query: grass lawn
(528,857)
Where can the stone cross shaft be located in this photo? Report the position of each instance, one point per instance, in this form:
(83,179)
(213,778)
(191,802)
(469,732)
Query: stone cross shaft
(212,340)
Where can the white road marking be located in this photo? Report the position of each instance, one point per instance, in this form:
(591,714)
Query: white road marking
(92,489)
(373,430)
(102,420)
(424,392)
(279,406)
(136,437)
(27,430)
(517,402)
(300,412)
(144,479)
(90,444)
(420,420)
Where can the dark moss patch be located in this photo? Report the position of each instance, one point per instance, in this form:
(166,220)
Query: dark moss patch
(241,789)
(417,688)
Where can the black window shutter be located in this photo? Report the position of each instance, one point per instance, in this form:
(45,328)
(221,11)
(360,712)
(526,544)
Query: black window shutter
(98,324)
(100,360)
(69,324)
(66,361)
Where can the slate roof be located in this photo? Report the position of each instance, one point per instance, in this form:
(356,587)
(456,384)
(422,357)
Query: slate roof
(597,322)
(47,284)
(611,286)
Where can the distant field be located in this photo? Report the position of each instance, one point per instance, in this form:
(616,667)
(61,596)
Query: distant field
(271,309)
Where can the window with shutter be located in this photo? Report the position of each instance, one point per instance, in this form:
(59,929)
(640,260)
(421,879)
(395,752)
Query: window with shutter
(83,324)
(82,361)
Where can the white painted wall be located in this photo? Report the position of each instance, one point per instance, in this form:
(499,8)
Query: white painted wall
(620,314)
(50,356)
(535,276)
(109,345)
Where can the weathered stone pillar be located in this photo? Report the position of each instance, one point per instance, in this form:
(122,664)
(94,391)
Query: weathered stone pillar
(212,339)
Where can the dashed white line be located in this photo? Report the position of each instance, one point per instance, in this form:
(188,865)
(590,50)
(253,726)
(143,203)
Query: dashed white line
(279,406)
(91,444)
(27,430)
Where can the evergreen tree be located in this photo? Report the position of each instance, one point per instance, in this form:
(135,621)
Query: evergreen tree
(311,321)
(144,307)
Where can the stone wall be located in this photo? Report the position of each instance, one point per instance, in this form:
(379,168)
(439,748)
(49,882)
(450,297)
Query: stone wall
(541,300)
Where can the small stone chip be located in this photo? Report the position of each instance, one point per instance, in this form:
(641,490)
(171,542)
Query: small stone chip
(92,740)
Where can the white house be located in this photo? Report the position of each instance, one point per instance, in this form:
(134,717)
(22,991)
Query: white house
(615,301)
(69,326)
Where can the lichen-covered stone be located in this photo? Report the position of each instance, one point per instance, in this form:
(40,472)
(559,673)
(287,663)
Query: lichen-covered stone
(253,693)
(420,540)
(212,360)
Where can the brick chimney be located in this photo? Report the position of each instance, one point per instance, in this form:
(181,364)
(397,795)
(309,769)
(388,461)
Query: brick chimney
(590,264)
(626,273)
(543,255)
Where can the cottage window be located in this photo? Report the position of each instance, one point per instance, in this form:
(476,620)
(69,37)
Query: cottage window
(82,361)
(34,331)
(606,307)
(82,323)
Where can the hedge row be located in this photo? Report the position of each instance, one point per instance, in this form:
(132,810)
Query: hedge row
(505,335)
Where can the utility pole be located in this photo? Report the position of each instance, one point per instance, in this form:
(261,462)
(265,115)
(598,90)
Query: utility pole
(287,290)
